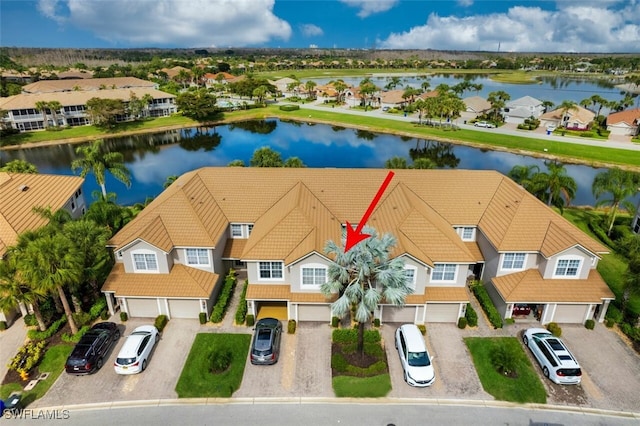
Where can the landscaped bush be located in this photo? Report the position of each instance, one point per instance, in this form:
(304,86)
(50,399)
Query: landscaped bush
(462,322)
(289,107)
(223,298)
(339,363)
(350,335)
(335,322)
(3,325)
(632,332)
(27,358)
(251,320)
(241,312)
(82,318)
(471,315)
(609,322)
(595,226)
(221,360)
(202,316)
(614,314)
(291,326)
(422,328)
(124,317)
(504,359)
(30,320)
(589,324)
(161,322)
(555,329)
(98,308)
(105,315)
(42,335)
(487,305)
(376,322)
(75,338)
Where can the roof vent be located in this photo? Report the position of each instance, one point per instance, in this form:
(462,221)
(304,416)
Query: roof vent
(23,188)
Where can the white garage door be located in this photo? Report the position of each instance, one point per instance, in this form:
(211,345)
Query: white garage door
(314,313)
(442,312)
(180,308)
(406,314)
(570,313)
(143,308)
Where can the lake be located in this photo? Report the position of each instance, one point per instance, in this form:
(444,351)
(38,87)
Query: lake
(151,158)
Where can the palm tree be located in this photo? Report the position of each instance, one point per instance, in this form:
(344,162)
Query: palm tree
(340,87)
(43,106)
(54,107)
(309,86)
(620,185)
(524,175)
(555,184)
(50,263)
(396,163)
(423,163)
(565,107)
(19,166)
(93,160)
(363,277)
(498,100)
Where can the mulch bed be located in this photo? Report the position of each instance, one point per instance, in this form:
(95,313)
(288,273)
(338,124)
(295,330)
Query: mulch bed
(355,358)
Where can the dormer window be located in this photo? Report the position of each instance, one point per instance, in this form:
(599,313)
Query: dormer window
(236,230)
(468,233)
(241,230)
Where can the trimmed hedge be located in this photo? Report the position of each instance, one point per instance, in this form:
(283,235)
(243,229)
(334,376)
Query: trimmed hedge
(241,312)
(335,322)
(291,326)
(487,305)
(555,329)
(223,298)
(462,323)
(251,320)
(75,338)
(42,335)
(422,328)
(471,315)
(589,324)
(161,322)
(30,320)
(123,316)
(289,107)
(202,316)
(350,335)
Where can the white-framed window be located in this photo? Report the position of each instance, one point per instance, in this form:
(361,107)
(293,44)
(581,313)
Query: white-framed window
(145,261)
(197,256)
(513,260)
(567,267)
(313,275)
(236,230)
(444,272)
(410,276)
(270,270)
(468,233)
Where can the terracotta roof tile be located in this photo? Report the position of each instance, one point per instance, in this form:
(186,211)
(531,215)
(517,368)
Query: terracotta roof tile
(283,292)
(439,294)
(234,247)
(630,117)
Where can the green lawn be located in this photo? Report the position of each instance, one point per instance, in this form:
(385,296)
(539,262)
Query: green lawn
(53,363)
(527,387)
(196,380)
(362,387)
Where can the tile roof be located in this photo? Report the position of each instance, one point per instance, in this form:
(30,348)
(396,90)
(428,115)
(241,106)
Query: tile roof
(578,113)
(477,103)
(530,287)
(182,282)
(86,84)
(526,101)
(439,295)
(295,211)
(630,117)
(20,192)
(234,247)
(283,292)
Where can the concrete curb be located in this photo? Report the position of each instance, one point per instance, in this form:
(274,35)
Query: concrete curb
(353,401)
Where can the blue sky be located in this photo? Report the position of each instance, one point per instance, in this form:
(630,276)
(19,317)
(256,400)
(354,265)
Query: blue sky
(517,26)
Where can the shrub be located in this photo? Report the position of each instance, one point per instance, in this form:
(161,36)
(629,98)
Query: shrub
(339,363)
(105,315)
(614,314)
(27,358)
(632,332)
(555,329)
(504,359)
(223,298)
(30,320)
(42,335)
(376,322)
(202,316)
(220,360)
(123,316)
(289,107)
(589,324)
(241,312)
(335,321)
(75,338)
(291,326)
(471,315)
(350,335)
(609,322)
(98,307)
(422,328)
(251,320)
(462,322)
(82,318)
(487,305)
(3,325)
(161,322)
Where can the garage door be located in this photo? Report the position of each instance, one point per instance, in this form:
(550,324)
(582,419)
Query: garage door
(406,314)
(143,307)
(570,313)
(180,308)
(442,312)
(276,310)
(314,313)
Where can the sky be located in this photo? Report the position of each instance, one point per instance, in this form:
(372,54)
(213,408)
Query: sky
(597,26)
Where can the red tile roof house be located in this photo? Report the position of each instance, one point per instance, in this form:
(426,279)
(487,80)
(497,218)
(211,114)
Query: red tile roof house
(274,223)
(577,118)
(626,123)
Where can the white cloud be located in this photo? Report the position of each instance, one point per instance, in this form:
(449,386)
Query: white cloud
(193,23)
(369,7)
(579,28)
(465,3)
(310,30)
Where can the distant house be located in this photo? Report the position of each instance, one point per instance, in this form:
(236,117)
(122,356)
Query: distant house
(518,110)
(211,79)
(577,118)
(326,92)
(476,106)
(283,84)
(20,193)
(87,85)
(625,123)
(393,99)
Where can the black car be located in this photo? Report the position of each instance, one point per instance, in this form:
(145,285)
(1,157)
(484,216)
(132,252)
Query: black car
(265,347)
(89,353)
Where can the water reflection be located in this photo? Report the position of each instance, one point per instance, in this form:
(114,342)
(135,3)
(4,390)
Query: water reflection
(153,157)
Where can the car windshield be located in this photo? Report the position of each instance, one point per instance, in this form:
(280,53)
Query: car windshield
(419,359)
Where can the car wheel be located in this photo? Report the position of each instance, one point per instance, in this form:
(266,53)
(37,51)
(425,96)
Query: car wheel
(144,365)
(545,371)
(99,364)
(525,339)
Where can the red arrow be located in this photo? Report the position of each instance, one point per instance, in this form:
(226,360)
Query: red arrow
(354,236)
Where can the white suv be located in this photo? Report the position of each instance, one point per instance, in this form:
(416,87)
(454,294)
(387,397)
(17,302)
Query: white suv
(558,364)
(414,356)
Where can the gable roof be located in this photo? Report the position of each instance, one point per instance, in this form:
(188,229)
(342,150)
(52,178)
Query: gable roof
(578,114)
(20,192)
(295,211)
(630,117)
(525,101)
(53,86)
(477,104)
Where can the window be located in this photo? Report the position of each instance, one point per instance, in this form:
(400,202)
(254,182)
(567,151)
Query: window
(468,233)
(567,267)
(236,230)
(444,272)
(513,260)
(145,262)
(410,276)
(314,276)
(197,256)
(636,228)
(270,270)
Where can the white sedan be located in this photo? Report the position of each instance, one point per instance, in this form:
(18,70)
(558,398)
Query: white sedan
(134,354)
(484,124)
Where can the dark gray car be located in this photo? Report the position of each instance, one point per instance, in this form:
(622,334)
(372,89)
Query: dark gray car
(265,347)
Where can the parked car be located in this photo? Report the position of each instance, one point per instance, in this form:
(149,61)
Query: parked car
(485,124)
(521,309)
(557,362)
(265,347)
(134,354)
(414,357)
(89,353)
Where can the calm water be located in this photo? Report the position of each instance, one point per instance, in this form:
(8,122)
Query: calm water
(152,158)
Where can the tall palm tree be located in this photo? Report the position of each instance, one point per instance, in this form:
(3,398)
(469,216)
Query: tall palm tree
(524,175)
(396,163)
(363,277)
(619,185)
(54,107)
(565,107)
(340,87)
(498,100)
(309,86)
(558,187)
(93,160)
(43,107)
